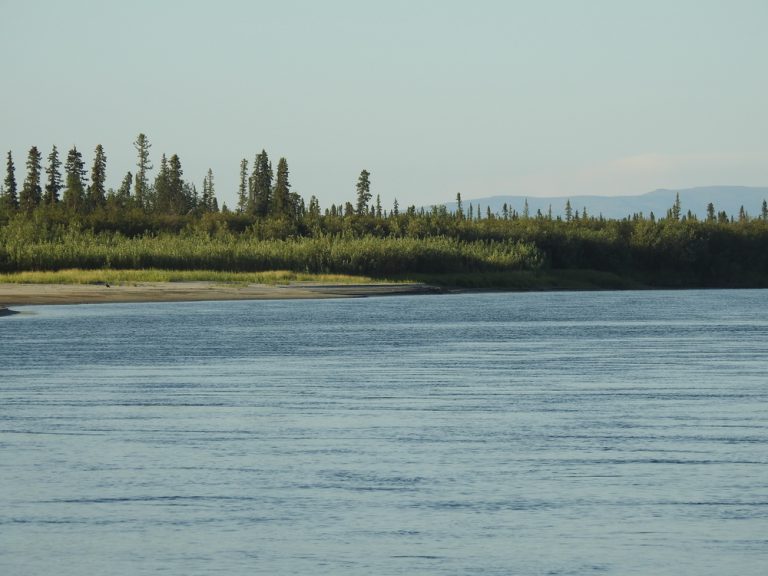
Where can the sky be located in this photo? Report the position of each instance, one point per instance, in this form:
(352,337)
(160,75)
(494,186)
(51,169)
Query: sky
(433,97)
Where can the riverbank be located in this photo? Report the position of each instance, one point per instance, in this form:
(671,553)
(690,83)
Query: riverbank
(37,294)
(102,286)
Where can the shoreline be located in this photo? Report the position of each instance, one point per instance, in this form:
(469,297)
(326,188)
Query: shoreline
(183,290)
(47,294)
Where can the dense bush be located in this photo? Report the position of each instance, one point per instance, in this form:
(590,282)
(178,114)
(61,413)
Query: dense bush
(664,252)
(244,252)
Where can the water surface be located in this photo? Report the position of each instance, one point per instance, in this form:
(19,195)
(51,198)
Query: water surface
(565,433)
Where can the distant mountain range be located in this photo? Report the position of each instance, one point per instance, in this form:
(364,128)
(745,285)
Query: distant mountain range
(728,198)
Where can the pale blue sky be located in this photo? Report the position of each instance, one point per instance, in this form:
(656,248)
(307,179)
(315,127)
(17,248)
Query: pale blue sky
(488,97)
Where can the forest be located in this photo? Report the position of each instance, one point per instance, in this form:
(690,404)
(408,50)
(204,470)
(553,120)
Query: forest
(54,219)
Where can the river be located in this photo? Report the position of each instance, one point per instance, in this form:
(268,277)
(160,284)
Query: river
(563,433)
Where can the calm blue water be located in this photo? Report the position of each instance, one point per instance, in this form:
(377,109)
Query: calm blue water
(567,433)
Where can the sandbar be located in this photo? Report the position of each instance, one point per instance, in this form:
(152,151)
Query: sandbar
(39,294)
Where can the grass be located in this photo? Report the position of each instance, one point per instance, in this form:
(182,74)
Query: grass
(368,256)
(516,280)
(118,277)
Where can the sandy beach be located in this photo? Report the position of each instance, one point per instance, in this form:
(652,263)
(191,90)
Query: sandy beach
(29,294)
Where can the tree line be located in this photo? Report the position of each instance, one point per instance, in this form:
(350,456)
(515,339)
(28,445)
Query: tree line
(62,215)
(262,193)
(76,194)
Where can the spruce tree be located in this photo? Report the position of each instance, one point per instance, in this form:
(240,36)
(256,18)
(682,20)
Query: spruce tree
(176,200)
(363,192)
(96,191)
(314,208)
(378,206)
(74,193)
(124,192)
(261,185)
(252,184)
(162,203)
(242,193)
(205,199)
(676,208)
(281,196)
(54,184)
(10,196)
(31,193)
(568,211)
(710,212)
(764,211)
(209,202)
(141,186)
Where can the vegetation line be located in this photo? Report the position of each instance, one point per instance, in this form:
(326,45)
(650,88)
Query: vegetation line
(121,277)
(57,223)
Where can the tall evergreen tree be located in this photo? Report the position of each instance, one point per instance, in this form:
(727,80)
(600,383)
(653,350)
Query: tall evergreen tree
(459,207)
(363,192)
(96,191)
(710,212)
(676,207)
(205,199)
(74,193)
(194,195)
(54,184)
(281,195)
(242,191)
(162,195)
(141,185)
(261,185)
(10,196)
(314,208)
(124,191)
(568,211)
(764,211)
(209,202)
(177,202)
(31,193)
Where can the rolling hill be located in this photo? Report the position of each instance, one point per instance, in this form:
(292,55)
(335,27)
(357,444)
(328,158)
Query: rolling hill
(728,198)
